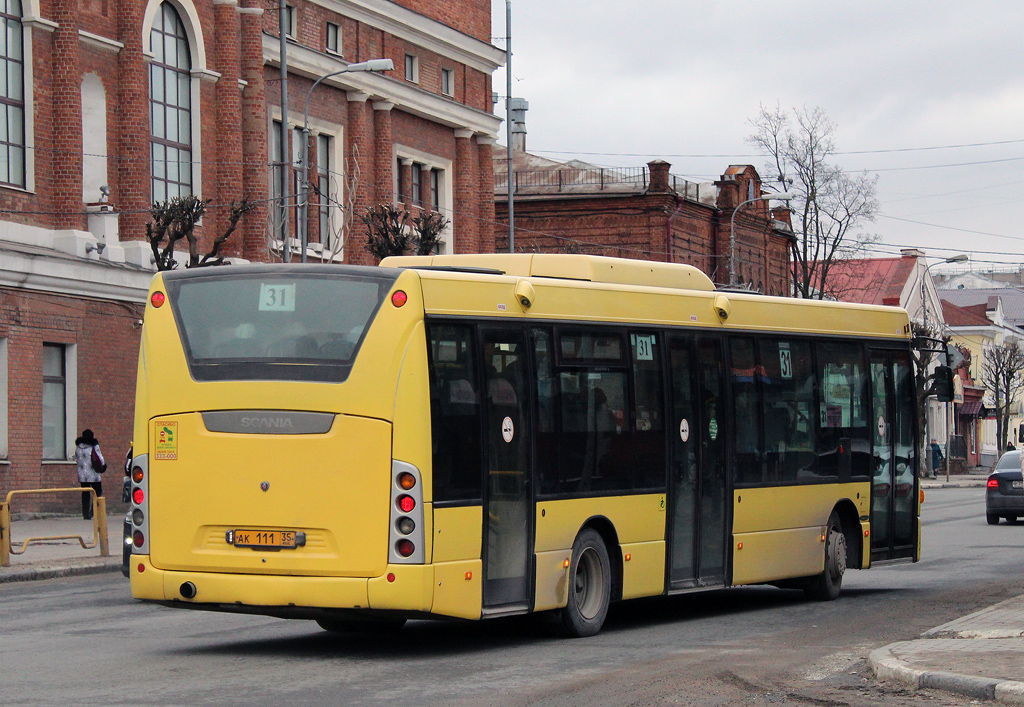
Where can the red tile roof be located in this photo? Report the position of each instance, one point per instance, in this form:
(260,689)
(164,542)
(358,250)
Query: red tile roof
(870,280)
(964,316)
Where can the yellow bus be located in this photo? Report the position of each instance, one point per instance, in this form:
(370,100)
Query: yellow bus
(474,436)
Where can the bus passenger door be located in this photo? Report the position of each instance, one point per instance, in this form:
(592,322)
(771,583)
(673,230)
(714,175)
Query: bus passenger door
(698,483)
(894,485)
(508,502)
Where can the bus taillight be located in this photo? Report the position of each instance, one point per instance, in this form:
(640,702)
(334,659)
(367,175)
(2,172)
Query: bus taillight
(405,548)
(138,539)
(138,497)
(406,503)
(406,525)
(158,299)
(137,474)
(406,480)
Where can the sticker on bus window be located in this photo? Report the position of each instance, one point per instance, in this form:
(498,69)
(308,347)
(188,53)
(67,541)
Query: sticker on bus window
(645,348)
(165,446)
(713,429)
(508,430)
(277,297)
(785,361)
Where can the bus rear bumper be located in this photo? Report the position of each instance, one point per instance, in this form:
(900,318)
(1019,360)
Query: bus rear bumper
(400,588)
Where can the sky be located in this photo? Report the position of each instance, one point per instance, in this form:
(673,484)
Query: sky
(927,95)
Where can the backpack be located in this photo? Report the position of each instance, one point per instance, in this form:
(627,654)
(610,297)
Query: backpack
(97,466)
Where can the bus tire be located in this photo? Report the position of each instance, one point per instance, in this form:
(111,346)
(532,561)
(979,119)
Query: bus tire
(360,626)
(826,586)
(590,586)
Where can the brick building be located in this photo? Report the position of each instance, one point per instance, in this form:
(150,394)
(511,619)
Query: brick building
(108,107)
(647,213)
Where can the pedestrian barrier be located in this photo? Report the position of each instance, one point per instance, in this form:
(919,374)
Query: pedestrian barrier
(99,525)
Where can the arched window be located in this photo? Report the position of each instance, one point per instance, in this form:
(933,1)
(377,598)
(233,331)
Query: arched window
(170,106)
(12,95)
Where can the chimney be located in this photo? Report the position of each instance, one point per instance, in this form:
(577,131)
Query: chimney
(783,214)
(518,107)
(911,253)
(659,175)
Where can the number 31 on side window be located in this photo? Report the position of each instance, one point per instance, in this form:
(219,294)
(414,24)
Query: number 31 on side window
(277,297)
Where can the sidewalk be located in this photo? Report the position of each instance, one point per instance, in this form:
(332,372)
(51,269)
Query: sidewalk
(980,655)
(61,558)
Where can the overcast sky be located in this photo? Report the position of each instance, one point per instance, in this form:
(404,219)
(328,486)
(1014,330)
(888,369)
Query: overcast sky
(618,83)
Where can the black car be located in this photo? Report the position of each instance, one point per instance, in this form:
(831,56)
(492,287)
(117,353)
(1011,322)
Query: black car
(1004,497)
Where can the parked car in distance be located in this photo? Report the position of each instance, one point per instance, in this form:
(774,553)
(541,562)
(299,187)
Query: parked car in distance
(1004,495)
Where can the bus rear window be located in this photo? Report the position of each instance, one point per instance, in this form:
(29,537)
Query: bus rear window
(273,325)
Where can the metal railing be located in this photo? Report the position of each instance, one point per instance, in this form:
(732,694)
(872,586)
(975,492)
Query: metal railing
(99,525)
(589,179)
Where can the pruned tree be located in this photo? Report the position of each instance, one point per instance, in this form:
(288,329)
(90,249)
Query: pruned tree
(176,219)
(428,227)
(1002,373)
(830,203)
(339,228)
(387,230)
(391,230)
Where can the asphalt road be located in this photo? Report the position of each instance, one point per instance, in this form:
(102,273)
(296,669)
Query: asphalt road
(85,641)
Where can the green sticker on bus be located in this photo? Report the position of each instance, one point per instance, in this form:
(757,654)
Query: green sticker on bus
(713,429)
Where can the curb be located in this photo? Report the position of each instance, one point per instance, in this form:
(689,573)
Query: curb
(887,666)
(56,570)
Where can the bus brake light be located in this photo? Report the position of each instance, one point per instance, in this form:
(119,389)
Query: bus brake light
(158,299)
(399,298)
(406,503)
(138,497)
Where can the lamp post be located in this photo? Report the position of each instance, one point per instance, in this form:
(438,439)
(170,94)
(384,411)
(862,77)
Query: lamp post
(960,258)
(371,65)
(782,196)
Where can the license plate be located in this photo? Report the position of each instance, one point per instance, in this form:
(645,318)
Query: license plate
(1017,484)
(263,538)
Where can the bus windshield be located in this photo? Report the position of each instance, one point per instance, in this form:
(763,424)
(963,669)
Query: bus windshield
(274,326)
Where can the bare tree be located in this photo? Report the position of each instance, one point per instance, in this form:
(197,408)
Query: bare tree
(428,227)
(387,230)
(176,219)
(334,241)
(1002,373)
(830,204)
(925,383)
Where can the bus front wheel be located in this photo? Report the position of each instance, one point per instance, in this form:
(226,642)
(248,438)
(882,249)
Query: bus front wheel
(590,586)
(826,585)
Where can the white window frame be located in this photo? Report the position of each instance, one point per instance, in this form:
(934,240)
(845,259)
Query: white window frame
(448,82)
(197,47)
(446,197)
(412,68)
(4,450)
(291,21)
(70,352)
(336,49)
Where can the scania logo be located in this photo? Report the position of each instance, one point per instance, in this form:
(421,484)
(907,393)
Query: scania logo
(267,423)
(264,486)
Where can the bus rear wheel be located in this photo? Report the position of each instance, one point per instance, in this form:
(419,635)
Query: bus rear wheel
(590,586)
(826,586)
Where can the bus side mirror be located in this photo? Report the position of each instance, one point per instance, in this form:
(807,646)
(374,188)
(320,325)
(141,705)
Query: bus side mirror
(943,384)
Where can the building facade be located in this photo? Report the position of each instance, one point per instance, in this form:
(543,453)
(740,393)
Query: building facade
(647,213)
(109,107)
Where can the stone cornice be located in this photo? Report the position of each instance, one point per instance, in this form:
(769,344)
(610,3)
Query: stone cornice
(422,31)
(95,40)
(69,276)
(407,97)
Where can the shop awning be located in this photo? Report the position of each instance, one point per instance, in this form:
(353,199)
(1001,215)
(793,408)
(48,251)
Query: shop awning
(971,408)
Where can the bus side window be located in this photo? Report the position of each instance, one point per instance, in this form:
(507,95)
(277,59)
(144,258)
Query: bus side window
(746,419)
(454,414)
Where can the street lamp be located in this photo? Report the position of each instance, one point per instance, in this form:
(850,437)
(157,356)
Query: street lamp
(782,196)
(961,258)
(371,65)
